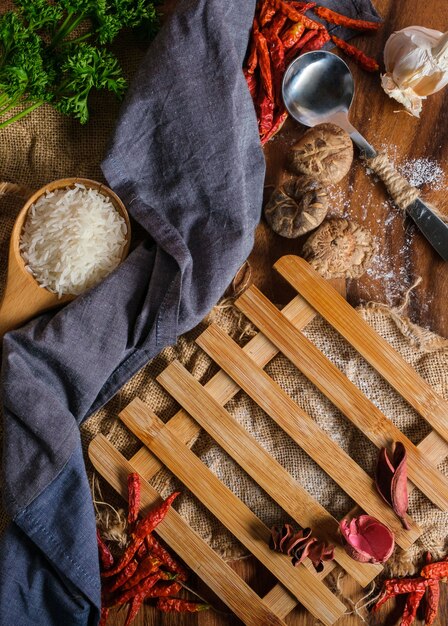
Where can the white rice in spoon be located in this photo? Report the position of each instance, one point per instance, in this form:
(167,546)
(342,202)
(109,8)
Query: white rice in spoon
(72,238)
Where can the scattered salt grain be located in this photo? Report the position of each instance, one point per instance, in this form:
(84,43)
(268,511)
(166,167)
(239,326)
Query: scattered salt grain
(423,171)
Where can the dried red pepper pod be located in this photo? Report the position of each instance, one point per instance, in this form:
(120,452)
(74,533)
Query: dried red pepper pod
(292,35)
(411,607)
(279,120)
(304,39)
(398,586)
(142,589)
(342,20)
(316,43)
(303,7)
(276,26)
(264,63)
(265,108)
(252,59)
(436,571)
(251,83)
(148,566)
(159,590)
(134,495)
(277,53)
(366,62)
(296,16)
(106,558)
(267,12)
(143,528)
(391,480)
(165,557)
(432,602)
(175,605)
(122,577)
(133,610)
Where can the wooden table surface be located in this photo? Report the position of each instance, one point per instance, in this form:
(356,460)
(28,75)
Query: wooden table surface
(403,256)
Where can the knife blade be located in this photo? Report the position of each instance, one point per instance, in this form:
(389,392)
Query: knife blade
(431,226)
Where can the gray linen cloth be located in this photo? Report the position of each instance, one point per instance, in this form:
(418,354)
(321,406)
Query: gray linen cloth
(187,162)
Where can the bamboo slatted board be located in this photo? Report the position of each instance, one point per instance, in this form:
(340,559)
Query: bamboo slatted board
(203,407)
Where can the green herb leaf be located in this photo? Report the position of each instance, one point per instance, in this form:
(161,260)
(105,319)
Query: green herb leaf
(83,69)
(39,14)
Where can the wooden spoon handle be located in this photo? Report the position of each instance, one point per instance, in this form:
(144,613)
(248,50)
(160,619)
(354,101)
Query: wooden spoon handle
(20,303)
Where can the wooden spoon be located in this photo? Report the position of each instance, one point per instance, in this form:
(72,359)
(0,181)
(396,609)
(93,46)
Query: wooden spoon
(23,297)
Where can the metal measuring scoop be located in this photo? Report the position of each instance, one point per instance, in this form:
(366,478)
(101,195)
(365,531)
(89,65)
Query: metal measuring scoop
(319,87)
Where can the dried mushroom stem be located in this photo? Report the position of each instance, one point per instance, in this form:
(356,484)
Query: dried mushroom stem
(340,249)
(296,207)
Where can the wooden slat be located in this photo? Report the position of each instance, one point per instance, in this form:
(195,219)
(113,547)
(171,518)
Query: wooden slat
(399,374)
(198,555)
(341,392)
(259,464)
(302,429)
(222,387)
(232,512)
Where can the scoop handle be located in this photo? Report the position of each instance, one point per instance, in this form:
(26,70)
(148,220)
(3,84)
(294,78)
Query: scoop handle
(22,297)
(404,195)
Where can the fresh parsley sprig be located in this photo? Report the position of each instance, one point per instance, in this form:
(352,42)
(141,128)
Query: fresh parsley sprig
(46,58)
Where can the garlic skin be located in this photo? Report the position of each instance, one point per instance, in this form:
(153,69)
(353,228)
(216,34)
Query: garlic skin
(416,61)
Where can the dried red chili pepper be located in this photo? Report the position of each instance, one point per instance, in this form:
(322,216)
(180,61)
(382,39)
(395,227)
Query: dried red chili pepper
(316,43)
(122,577)
(133,610)
(391,480)
(265,114)
(142,552)
(142,529)
(432,603)
(304,39)
(277,53)
(106,558)
(276,26)
(367,63)
(410,608)
(342,20)
(142,589)
(252,83)
(148,566)
(264,63)
(252,59)
(292,35)
(159,591)
(295,16)
(436,571)
(267,12)
(134,496)
(280,119)
(168,605)
(303,7)
(165,558)
(397,586)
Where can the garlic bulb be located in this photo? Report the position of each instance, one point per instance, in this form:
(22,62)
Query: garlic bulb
(416,60)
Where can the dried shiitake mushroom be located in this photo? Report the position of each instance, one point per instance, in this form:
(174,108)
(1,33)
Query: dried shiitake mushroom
(340,249)
(325,153)
(296,207)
